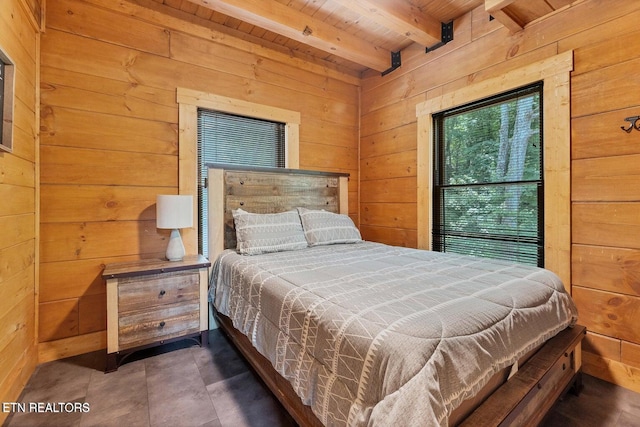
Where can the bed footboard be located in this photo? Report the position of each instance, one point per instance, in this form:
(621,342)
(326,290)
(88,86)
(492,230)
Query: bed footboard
(529,395)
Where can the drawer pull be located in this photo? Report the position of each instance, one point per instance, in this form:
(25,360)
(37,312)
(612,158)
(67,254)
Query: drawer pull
(162,324)
(162,292)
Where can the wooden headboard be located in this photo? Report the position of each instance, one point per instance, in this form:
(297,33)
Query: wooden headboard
(267,190)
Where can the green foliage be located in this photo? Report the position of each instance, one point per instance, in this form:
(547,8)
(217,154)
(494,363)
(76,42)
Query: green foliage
(478,200)
(472,143)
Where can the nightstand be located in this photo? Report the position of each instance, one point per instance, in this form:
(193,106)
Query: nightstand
(153,302)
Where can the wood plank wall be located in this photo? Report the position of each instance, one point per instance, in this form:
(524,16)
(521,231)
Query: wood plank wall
(605,190)
(19,39)
(109,139)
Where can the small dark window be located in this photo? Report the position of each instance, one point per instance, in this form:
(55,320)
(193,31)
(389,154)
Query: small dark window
(6,102)
(488,178)
(1,95)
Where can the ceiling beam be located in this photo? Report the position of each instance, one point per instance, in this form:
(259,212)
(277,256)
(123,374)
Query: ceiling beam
(496,4)
(400,17)
(498,9)
(286,21)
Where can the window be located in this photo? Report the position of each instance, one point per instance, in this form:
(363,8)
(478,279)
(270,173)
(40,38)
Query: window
(554,72)
(6,102)
(236,140)
(1,95)
(190,102)
(488,197)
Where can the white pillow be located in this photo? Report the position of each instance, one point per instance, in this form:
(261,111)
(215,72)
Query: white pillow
(264,233)
(326,228)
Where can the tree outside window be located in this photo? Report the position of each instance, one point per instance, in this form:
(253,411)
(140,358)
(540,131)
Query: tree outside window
(488,188)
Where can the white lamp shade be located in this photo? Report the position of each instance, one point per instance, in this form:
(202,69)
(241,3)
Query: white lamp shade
(174,211)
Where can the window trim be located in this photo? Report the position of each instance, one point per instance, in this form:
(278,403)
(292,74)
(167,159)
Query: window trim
(555,73)
(189,101)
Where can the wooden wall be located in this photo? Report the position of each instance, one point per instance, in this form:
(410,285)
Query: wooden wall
(605,191)
(19,39)
(109,145)
(109,139)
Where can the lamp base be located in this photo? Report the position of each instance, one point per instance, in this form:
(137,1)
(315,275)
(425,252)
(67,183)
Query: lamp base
(175,248)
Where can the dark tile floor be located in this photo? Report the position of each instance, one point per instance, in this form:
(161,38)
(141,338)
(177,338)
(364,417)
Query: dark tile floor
(214,387)
(188,386)
(600,404)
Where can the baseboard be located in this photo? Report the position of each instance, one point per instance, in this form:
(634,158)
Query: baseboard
(67,347)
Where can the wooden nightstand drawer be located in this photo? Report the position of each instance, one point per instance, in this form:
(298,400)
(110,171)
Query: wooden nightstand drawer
(148,326)
(157,289)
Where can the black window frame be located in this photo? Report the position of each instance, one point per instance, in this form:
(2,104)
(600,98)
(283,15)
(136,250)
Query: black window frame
(438,232)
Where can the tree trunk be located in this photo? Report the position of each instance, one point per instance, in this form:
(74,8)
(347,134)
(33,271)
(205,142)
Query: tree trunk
(517,150)
(503,150)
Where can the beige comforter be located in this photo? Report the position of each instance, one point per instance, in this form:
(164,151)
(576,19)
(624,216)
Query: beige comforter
(376,335)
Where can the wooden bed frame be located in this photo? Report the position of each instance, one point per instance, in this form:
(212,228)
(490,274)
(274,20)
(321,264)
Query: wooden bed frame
(524,399)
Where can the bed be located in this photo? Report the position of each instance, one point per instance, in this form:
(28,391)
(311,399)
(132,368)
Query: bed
(347,332)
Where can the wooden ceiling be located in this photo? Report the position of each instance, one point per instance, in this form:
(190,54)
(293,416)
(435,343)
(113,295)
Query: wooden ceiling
(352,34)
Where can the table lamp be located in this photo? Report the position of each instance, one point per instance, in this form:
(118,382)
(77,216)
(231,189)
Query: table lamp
(174,212)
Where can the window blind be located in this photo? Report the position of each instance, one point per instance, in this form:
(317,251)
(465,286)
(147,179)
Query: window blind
(488,183)
(234,140)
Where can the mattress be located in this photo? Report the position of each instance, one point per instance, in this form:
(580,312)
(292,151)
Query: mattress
(370,334)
